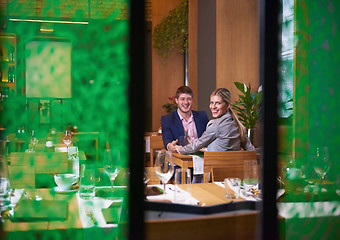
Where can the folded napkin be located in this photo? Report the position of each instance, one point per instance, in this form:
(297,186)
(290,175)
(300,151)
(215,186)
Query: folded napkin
(101,212)
(198,164)
(44,210)
(153,190)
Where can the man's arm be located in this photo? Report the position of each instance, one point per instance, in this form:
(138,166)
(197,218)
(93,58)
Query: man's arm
(201,121)
(167,135)
(207,137)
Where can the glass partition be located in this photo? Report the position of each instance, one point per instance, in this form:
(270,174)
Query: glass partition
(64,111)
(309,137)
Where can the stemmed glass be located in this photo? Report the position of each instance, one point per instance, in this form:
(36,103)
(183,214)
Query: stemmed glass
(190,135)
(33,141)
(67,139)
(112,164)
(164,166)
(320,162)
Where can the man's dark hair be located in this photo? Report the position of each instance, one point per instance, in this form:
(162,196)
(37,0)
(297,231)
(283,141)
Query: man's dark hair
(184,89)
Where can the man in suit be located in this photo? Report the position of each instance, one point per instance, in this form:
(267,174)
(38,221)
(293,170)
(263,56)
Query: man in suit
(184,122)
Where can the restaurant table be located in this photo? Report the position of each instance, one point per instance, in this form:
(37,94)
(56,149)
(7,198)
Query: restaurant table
(184,161)
(206,214)
(82,217)
(195,200)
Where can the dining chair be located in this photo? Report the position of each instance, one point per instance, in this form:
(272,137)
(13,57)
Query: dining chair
(21,176)
(231,226)
(24,166)
(220,173)
(229,159)
(153,179)
(156,143)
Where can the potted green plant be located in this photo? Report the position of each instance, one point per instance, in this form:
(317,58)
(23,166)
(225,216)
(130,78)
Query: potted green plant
(248,107)
(170,106)
(172,31)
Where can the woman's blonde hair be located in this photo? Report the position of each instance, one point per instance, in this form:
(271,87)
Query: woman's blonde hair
(226,97)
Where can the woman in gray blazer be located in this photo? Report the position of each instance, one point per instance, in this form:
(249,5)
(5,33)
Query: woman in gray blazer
(223,133)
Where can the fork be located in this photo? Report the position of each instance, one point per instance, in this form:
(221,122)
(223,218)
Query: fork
(89,213)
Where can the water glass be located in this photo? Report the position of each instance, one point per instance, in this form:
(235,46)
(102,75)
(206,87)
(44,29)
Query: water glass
(87,181)
(251,178)
(182,176)
(5,198)
(232,188)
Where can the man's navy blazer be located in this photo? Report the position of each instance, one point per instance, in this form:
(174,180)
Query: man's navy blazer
(172,127)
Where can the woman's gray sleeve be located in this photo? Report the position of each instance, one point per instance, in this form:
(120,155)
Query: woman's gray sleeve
(207,137)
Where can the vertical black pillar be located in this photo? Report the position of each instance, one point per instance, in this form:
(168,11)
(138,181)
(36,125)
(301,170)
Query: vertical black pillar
(136,106)
(269,59)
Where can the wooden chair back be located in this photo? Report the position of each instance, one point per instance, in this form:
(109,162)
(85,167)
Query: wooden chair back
(24,166)
(231,226)
(22,176)
(220,173)
(222,159)
(152,176)
(156,143)
(43,162)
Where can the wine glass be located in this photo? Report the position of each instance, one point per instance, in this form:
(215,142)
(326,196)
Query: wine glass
(320,162)
(67,139)
(190,135)
(164,166)
(112,164)
(146,177)
(33,141)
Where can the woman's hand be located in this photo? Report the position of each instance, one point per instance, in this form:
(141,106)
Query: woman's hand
(178,148)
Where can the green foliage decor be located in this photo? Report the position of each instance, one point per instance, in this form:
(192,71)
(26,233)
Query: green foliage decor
(172,31)
(248,105)
(171,106)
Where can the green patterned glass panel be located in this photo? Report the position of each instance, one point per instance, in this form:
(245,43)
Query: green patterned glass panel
(310,204)
(71,73)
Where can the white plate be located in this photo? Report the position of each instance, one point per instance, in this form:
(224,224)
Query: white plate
(57,190)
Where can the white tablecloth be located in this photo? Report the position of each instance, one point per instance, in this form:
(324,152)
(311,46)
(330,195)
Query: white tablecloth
(198,164)
(174,194)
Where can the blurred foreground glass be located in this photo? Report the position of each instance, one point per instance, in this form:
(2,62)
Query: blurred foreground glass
(320,162)
(232,187)
(182,182)
(5,198)
(87,181)
(251,180)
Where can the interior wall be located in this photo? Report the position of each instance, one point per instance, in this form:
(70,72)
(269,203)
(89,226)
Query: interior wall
(238,47)
(206,53)
(192,50)
(148,77)
(237,44)
(167,73)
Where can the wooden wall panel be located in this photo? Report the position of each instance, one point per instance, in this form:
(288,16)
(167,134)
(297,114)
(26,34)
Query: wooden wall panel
(167,74)
(192,48)
(237,44)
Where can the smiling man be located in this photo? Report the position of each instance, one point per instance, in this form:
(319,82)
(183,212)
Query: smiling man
(184,124)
